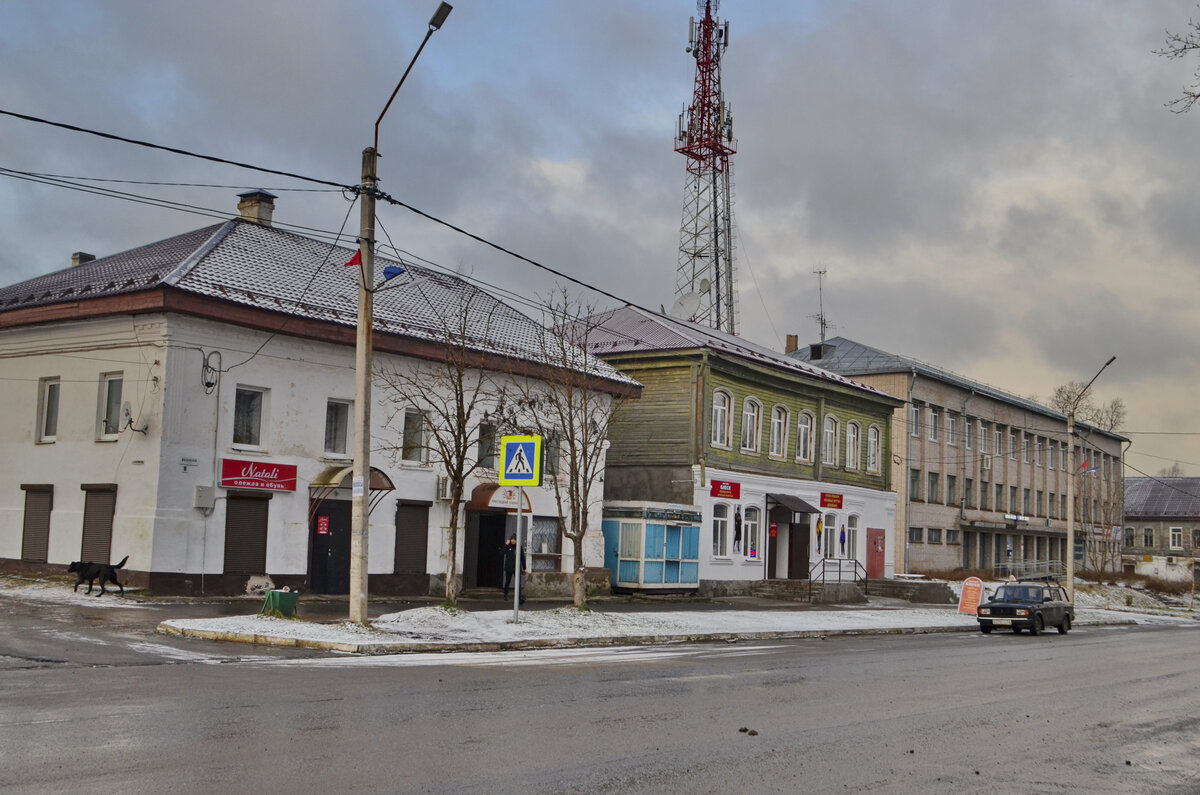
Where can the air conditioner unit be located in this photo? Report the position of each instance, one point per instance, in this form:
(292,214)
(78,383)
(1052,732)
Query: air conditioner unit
(985,463)
(443,488)
(1170,560)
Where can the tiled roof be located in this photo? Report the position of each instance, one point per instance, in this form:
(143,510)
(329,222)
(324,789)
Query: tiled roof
(852,358)
(1162,498)
(280,271)
(632,330)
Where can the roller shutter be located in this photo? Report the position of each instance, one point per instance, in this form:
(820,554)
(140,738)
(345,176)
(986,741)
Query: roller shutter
(246,534)
(99,505)
(35,535)
(412,538)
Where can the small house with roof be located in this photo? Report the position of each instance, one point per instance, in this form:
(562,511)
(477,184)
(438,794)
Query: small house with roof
(1161,537)
(189,403)
(740,469)
(982,473)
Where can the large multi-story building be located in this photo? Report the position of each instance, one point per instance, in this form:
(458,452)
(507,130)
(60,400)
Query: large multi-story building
(982,474)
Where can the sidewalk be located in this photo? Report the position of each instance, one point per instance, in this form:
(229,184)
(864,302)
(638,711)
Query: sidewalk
(425,629)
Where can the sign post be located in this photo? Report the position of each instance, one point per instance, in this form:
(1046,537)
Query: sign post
(521,466)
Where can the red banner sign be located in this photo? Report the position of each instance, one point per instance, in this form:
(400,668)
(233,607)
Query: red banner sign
(726,489)
(237,474)
(322,525)
(831,500)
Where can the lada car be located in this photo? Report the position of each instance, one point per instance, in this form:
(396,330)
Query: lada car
(1034,606)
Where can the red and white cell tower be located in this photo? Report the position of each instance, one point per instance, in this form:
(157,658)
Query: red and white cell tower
(705,288)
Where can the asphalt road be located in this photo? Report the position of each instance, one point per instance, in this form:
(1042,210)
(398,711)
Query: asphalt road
(97,702)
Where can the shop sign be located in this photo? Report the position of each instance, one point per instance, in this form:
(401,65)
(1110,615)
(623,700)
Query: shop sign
(774,529)
(726,490)
(831,500)
(237,474)
(972,592)
(505,498)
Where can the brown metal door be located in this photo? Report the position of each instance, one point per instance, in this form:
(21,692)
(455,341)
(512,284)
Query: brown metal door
(797,552)
(876,539)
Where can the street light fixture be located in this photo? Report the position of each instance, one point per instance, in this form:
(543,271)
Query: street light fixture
(361,488)
(1071,480)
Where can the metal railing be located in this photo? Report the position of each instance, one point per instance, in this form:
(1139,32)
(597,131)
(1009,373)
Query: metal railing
(839,568)
(1030,569)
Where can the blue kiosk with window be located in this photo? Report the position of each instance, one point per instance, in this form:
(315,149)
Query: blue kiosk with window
(652,546)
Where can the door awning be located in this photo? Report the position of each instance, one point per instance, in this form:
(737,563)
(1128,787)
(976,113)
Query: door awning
(793,504)
(338,477)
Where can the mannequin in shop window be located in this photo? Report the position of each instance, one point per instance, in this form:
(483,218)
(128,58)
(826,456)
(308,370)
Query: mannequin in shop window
(737,530)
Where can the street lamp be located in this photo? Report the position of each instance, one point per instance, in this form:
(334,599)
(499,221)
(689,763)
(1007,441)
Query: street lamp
(361,486)
(1071,480)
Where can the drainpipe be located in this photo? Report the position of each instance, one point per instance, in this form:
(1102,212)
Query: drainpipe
(908,465)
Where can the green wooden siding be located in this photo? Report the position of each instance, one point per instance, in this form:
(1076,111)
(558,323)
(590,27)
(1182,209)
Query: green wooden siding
(657,428)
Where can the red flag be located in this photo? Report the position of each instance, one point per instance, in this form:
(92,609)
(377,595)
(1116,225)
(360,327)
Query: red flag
(356,259)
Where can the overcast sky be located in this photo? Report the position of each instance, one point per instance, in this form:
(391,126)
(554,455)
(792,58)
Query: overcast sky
(992,187)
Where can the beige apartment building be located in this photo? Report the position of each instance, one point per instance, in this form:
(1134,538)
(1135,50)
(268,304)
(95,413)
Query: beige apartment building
(981,474)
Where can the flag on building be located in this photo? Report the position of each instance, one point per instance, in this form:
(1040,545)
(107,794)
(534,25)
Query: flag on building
(356,259)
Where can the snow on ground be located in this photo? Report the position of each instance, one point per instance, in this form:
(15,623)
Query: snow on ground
(62,593)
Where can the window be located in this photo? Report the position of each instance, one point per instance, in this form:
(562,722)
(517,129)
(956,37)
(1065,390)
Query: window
(720,418)
(934,418)
(951,535)
(931,495)
(983,437)
(551,451)
(1128,540)
(1025,445)
(720,531)
(1176,538)
(969,493)
(853,445)
(546,544)
(951,490)
(1062,505)
(1051,504)
(914,419)
(1195,539)
(247,416)
(999,497)
(951,429)
(916,535)
(968,433)
(1012,443)
(1148,537)
(486,448)
(983,497)
(414,436)
(1012,499)
(750,528)
(851,550)
(872,449)
(999,435)
(804,437)
(831,533)
(829,442)
(47,423)
(1051,447)
(1040,506)
(914,484)
(1026,503)
(337,427)
(1037,452)
(109,424)
(751,425)
(935,535)
(779,429)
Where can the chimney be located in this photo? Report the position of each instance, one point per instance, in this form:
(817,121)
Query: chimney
(792,345)
(256,206)
(80,257)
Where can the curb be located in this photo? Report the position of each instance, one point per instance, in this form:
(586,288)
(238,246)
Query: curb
(410,647)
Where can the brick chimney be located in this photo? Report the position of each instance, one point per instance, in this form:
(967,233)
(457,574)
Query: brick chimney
(793,344)
(80,257)
(256,206)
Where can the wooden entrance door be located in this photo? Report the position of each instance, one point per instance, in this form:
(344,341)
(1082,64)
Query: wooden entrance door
(876,557)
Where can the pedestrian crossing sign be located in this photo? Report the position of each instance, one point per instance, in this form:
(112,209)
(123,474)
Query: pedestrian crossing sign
(522,460)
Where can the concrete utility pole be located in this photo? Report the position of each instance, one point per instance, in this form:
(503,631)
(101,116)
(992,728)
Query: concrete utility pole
(1071,467)
(361,491)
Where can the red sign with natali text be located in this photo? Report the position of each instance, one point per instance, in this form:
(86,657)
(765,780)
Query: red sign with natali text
(726,489)
(831,500)
(237,474)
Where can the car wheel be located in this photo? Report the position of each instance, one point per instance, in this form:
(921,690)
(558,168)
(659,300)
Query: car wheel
(1036,627)
(1065,626)
(986,629)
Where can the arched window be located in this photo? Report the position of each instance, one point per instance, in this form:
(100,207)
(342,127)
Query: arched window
(751,425)
(851,550)
(853,445)
(750,527)
(720,418)
(720,530)
(779,429)
(804,437)
(831,535)
(829,441)
(873,449)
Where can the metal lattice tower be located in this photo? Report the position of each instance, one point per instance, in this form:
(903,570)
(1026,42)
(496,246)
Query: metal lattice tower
(705,287)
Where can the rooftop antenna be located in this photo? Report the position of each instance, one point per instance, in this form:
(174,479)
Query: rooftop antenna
(822,321)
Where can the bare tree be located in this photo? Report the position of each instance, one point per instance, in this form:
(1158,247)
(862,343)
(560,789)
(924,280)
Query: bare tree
(1108,416)
(1099,507)
(571,407)
(1173,471)
(1178,45)
(441,404)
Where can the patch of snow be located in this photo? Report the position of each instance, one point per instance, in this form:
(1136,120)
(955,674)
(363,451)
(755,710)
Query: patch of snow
(61,593)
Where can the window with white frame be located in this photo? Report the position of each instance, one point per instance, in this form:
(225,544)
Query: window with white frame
(413,446)
(1176,538)
(969,433)
(337,427)
(853,445)
(1012,443)
(779,429)
(1127,540)
(108,426)
(914,419)
(999,434)
(831,535)
(1037,452)
(751,425)
(248,416)
(852,536)
(1052,447)
(983,436)
(951,429)
(804,437)
(1147,536)
(47,422)
(873,449)
(486,447)
(751,527)
(829,441)
(720,418)
(935,418)
(932,492)
(1025,445)
(551,453)
(720,530)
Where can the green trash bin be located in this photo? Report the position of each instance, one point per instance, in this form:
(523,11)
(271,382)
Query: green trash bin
(281,604)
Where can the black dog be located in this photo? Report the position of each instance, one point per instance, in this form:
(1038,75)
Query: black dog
(106,572)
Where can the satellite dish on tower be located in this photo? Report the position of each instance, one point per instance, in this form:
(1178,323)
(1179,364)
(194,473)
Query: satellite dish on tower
(685,306)
(705,284)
